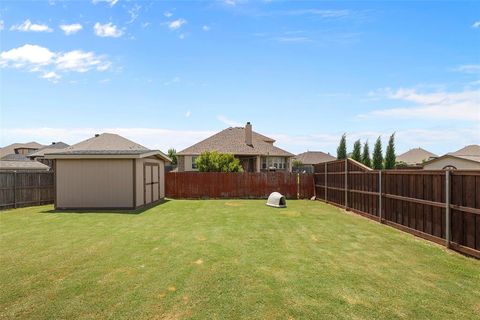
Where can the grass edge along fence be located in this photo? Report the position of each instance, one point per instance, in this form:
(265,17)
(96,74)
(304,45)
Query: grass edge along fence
(26,188)
(442,206)
(238,185)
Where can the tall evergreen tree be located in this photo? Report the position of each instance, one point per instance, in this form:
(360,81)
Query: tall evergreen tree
(377,155)
(366,155)
(172,154)
(342,147)
(390,158)
(357,151)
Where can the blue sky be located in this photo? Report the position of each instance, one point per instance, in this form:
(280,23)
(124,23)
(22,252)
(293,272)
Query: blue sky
(167,74)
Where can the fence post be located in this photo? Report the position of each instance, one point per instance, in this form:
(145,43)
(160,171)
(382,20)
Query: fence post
(326,178)
(346,184)
(380,195)
(15,189)
(447,209)
(298,186)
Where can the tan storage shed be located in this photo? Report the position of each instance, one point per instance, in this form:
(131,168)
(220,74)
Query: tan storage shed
(108,172)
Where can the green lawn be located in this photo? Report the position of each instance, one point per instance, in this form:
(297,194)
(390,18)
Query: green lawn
(226,260)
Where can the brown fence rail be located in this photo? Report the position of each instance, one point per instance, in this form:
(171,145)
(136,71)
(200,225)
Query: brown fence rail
(22,189)
(435,205)
(217,185)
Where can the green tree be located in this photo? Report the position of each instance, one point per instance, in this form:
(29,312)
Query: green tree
(366,155)
(172,154)
(357,151)
(218,162)
(390,158)
(342,147)
(297,163)
(377,155)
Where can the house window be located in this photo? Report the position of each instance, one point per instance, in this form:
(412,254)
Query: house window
(264,163)
(194,162)
(275,163)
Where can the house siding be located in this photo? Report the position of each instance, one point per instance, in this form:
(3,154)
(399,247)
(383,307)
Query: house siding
(460,164)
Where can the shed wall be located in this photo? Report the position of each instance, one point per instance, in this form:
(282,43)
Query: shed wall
(94,183)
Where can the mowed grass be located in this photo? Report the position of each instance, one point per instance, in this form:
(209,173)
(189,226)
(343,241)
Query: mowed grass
(226,260)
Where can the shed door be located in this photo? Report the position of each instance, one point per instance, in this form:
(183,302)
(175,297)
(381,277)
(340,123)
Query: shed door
(151,182)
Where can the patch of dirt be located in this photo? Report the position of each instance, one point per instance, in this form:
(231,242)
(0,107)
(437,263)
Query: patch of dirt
(172,289)
(199,262)
(314,238)
(201,238)
(233,204)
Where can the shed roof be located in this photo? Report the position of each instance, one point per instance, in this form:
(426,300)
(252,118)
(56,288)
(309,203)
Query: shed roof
(415,156)
(314,157)
(22,165)
(106,145)
(232,141)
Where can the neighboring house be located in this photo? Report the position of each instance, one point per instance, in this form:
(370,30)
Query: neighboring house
(415,157)
(467,158)
(256,152)
(20,148)
(310,158)
(39,155)
(19,162)
(108,172)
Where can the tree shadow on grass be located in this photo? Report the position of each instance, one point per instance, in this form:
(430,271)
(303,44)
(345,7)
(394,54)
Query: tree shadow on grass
(108,211)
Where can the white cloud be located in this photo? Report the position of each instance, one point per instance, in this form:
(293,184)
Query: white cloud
(176,24)
(107,30)
(51,76)
(109,2)
(35,58)
(293,39)
(461,105)
(167,14)
(134,13)
(28,26)
(145,24)
(230,2)
(476,24)
(26,55)
(468,68)
(228,122)
(206,28)
(80,61)
(71,28)
(188,114)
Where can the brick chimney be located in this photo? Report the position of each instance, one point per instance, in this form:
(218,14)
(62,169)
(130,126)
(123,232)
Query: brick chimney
(248,134)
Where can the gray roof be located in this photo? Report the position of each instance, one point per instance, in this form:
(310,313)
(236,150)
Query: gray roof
(415,156)
(11,148)
(106,144)
(314,157)
(232,141)
(56,146)
(22,165)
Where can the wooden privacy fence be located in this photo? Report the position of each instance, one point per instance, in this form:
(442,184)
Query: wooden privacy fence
(441,206)
(22,189)
(203,185)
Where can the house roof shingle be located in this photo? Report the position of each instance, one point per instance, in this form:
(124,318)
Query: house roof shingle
(314,157)
(22,165)
(415,156)
(232,141)
(471,152)
(49,149)
(106,144)
(11,148)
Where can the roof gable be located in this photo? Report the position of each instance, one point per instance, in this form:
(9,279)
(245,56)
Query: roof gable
(314,157)
(415,156)
(11,148)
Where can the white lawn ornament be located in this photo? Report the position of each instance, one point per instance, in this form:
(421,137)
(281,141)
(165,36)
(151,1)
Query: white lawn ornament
(276,200)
